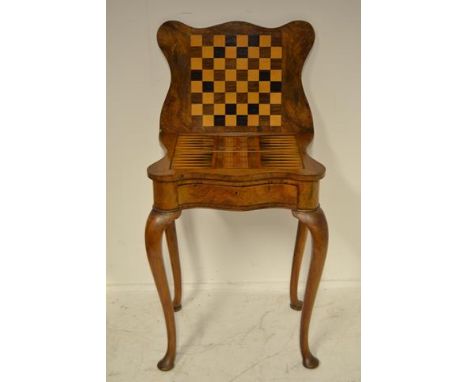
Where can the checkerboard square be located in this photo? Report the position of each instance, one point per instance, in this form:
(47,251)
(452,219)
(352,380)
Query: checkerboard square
(253,86)
(253,120)
(207,63)
(253,97)
(275,86)
(219,63)
(207,52)
(242,108)
(231,52)
(208,109)
(275,75)
(219,86)
(253,108)
(207,75)
(219,75)
(253,52)
(275,120)
(241,75)
(242,120)
(196,63)
(241,99)
(207,86)
(219,40)
(253,63)
(264,75)
(231,108)
(264,97)
(264,109)
(242,52)
(242,40)
(219,120)
(265,40)
(276,52)
(196,75)
(275,98)
(208,120)
(254,40)
(231,97)
(265,52)
(219,52)
(219,109)
(196,87)
(242,86)
(208,98)
(242,63)
(231,40)
(197,109)
(231,120)
(220,97)
(196,40)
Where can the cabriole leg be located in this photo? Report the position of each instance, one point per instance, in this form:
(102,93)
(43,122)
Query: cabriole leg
(155,226)
(316,222)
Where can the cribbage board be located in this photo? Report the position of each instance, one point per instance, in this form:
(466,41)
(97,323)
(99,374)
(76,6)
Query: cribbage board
(236,81)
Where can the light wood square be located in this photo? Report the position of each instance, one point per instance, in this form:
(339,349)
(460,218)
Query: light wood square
(252,120)
(208,98)
(219,40)
(208,75)
(196,63)
(241,109)
(219,109)
(265,40)
(275,120)
(242,40)
(254,52)
(253,75)
(231,75)
(196,86)
(264,109)
(253,98)
(230,97)
(276,52)
(207,52)
(231,120)
(275,98)
(230,52)
(242,86)
(264,63)
(219,86)
(208,120)
(275,75)
(219,63)
(242,63)
(264,86)
(196,40)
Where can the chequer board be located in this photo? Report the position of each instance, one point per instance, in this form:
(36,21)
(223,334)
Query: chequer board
(236,80)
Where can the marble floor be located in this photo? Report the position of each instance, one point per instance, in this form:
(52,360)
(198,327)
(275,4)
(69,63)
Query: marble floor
(233,334)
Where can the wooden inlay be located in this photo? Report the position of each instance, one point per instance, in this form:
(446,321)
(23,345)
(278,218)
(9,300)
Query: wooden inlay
(236,80)
(236,152)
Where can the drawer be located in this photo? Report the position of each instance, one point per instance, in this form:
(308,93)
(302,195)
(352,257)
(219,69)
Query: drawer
(241,197)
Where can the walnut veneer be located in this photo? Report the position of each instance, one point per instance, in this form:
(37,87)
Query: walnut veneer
(236,125)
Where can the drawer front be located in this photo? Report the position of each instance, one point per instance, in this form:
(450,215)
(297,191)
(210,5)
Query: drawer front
(246,197)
